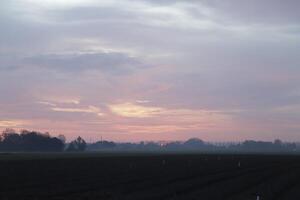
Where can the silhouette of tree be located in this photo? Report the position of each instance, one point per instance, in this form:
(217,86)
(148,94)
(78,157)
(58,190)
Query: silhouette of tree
(77,145)
(71,147)
(194,142)
(10,140)
(102,145)
(62,138)
(278,142)
(29,141)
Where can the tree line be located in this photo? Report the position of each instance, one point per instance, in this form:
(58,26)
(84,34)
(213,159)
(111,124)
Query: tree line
(33,141)
(195,144)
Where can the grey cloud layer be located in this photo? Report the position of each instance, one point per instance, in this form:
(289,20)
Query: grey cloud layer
(106,62)
(211,54)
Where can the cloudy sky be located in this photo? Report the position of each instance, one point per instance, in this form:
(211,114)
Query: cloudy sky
(136,70)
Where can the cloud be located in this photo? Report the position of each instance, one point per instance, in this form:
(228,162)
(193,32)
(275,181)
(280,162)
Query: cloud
(46,103)
(11,123)
(52,101)
(137,119)
(142,101)
(116,63)
(132,110)
(90,109)
(263,12)
(61,104)
(230,65)
(185,115)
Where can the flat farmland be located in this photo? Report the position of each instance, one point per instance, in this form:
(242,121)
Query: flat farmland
(149,176)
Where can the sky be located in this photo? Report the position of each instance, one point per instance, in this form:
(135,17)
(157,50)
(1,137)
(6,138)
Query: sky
(136,70)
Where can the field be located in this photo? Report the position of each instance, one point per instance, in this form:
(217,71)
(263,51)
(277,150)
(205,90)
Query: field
(149,176)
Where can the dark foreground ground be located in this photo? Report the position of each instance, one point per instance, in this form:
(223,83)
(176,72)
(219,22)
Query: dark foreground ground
(149,176)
